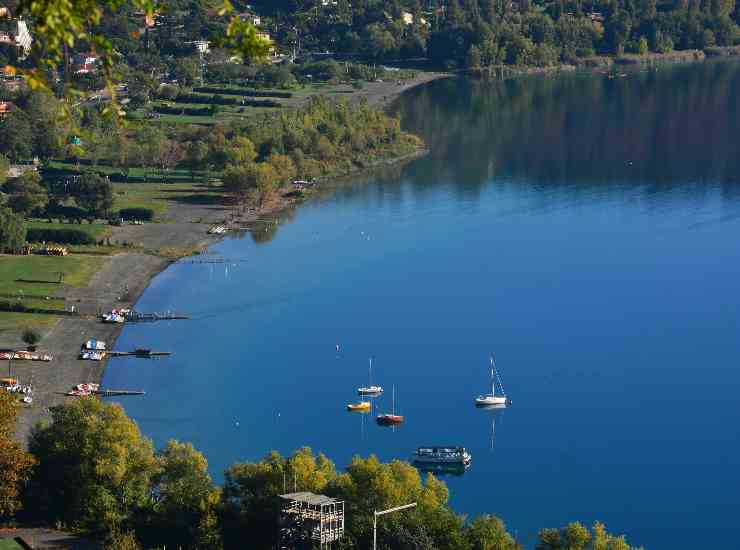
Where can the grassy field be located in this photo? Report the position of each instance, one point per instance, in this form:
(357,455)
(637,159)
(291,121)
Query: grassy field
(96,230)
(157,196)
(9,544)
(13,321)
(39,276)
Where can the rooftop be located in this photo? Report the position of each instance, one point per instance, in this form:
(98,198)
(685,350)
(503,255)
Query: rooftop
(308,498)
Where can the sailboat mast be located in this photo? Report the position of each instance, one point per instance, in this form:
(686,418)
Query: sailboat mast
(493,379)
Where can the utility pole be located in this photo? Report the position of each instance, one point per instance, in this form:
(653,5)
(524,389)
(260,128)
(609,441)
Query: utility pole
(381,513)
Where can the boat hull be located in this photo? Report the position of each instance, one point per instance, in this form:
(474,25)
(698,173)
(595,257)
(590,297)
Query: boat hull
(359,407)
(372,390)
(490,400)
(389,420)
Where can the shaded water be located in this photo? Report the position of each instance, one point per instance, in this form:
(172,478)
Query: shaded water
(585,229)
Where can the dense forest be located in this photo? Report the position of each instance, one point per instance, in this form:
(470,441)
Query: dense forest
(90,469)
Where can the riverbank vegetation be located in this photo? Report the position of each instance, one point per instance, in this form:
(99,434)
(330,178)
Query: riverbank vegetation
(90,469)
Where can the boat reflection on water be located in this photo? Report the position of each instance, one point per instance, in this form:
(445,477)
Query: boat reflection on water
(495,410)
(440,470)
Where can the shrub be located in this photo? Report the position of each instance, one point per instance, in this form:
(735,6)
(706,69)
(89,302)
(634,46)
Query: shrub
(31,337)
(144,214)
(60,236)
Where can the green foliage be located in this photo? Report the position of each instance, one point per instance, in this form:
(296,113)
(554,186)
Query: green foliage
(577,537)
(15,463)
(16,137)
(183,509)
(489,533)
(94,194)
(12,231)
(94,468)
(59,236)
(26,193)
(31,337)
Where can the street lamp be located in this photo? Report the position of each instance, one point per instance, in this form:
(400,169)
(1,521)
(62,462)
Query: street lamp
(383,512)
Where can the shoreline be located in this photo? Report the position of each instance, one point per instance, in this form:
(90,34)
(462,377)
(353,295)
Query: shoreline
(124,278)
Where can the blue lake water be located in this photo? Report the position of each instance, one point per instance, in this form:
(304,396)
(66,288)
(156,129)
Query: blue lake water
(583,228)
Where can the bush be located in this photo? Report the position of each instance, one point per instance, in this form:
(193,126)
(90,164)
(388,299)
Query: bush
(62,211)
(31,337)
(144,214)
(60,236)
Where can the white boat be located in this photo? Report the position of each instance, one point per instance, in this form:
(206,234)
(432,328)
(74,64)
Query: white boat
(491,398)
(370,389)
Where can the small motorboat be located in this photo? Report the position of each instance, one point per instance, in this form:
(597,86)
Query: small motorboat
(362,406)
(492,399)
(441,455)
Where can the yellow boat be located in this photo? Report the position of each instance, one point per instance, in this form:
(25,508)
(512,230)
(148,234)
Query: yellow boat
(362,406)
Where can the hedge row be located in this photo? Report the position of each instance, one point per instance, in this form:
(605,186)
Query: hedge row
(59,236)
(248,93)
(206,99)
(205,111)
(143,214)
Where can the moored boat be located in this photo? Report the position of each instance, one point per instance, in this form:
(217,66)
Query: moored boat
(441,455)
(492,399)
(391,419)
(370,389)
(362,406)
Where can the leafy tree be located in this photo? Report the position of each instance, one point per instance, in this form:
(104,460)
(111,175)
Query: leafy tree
(489,533)
(26,192)
(31,337)
(94,468)
(169,153)
(473,59)
(16,137)
(15,463)
(12,231)
(577,537)
(196,155)
(242,150)
(187,71)
(4,166)
(182,513)
(94,194)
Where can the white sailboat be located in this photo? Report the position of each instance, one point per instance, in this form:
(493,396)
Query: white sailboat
(370,389)
(492,398)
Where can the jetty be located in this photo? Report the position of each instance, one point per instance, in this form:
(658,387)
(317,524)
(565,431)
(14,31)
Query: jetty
(147,353)
(116,393)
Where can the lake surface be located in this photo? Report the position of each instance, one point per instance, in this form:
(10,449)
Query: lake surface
(586,229)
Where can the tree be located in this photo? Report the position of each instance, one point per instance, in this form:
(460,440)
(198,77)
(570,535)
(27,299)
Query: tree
(16,138)
(26,193)
(12,231)
(242,150)
(94,194)
(31,337)
(196,154)
(250,490)
(169,153)
(4,166)
(489,533)
(187,71)
(577,537)
(184,501)
(94,468)
(15,463)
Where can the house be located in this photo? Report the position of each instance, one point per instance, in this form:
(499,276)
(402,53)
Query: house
(17,35)
(202,46)
(408,18)
(253,18)
(85,68)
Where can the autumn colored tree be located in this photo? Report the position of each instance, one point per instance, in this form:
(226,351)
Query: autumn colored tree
(94,468)
(15,463)
(577,537)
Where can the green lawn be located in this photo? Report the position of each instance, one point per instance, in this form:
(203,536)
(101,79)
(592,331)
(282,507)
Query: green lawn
(95,230)
(39,276)
(157,196)
(15,321)
(9,544)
